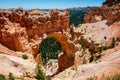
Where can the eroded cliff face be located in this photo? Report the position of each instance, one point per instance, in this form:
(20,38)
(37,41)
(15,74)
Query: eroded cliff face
(13,36)
(23,31)
(18,28)
(67,57)
(109,13)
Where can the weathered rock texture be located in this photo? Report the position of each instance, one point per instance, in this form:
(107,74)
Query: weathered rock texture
(24,30)
(13,36)
(67,58)
(12,62)
(109,13)
(18,27)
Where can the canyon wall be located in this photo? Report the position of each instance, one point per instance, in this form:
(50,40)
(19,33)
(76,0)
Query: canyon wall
(20,28)
(23,31)
(109,13)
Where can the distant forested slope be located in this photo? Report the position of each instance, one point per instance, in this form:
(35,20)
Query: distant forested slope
(76,17)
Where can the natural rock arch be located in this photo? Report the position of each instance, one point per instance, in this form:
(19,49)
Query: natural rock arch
(49,49)
(66,59)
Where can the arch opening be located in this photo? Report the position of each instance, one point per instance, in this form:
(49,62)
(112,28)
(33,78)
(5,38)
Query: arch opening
(49,49)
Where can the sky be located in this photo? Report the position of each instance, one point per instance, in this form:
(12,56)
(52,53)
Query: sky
(48,4)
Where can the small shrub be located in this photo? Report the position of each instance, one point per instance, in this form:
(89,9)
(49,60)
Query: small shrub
(118,39)
(116,77)
(109,47)
(24,56)
(40,75)
(11,76)
(112,45)
(91,58)
(2,77)
(103,48)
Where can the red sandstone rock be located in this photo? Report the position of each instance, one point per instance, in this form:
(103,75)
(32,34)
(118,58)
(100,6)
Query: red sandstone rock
(111,14)
(67,58)
(22,31)
(13,36)
(22,25)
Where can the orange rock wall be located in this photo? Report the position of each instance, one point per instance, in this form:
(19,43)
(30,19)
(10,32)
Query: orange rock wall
(19,27)
(14,37)
(111,14)
(66,59)
(23,31)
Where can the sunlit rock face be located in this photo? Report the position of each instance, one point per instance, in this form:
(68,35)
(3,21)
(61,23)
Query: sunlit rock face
(67,57)
(20,28)
(109,13)
(13,36)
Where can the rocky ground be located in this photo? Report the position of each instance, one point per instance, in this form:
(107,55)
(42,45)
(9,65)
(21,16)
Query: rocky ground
(13,62)
(108,64)
(91,49)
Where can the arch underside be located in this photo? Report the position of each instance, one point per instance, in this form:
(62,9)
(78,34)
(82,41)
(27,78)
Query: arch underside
(66,59)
